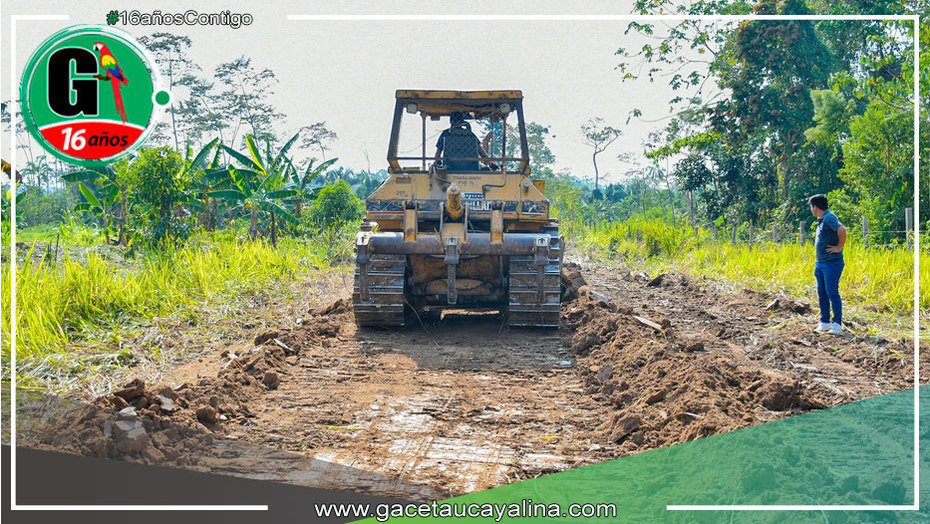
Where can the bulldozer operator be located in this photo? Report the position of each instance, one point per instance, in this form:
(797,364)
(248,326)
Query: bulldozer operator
(458,145)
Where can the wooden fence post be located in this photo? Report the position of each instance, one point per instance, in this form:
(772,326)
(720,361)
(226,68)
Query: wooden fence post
(865,231)
(775,232)
(715,232)
(751,232)
(909,224)
(800,232)
(733,235)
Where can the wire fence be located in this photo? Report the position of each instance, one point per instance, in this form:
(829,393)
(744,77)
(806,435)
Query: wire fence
(803,233)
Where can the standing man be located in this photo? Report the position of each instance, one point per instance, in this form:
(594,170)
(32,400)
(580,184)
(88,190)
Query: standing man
(831,237)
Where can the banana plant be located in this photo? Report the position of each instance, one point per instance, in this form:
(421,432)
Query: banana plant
(104,207)
(105,197)
(259,185)
(212,177)
(300,183)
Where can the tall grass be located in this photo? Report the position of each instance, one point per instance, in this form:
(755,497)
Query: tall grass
(879,279)
(60,303)
(69,233)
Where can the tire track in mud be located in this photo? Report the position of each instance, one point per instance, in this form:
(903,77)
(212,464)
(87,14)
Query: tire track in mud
(402,404)
(443,426)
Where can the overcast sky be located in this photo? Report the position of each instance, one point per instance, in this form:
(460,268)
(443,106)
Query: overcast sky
(345,72)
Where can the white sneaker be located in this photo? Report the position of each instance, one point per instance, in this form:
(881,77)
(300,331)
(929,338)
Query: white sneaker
(823,327)
(836,329)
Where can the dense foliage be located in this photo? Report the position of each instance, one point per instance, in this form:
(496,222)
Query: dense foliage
(772,111)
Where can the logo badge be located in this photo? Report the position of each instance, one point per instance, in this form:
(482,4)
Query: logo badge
(89,95)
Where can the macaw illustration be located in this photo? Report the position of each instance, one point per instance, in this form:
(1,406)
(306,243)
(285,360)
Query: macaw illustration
(114,75)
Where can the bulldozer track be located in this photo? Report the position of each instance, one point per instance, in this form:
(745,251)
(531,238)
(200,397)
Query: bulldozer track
(525,308)
(386,305)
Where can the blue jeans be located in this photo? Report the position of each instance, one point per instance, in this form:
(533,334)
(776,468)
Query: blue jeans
(828,289)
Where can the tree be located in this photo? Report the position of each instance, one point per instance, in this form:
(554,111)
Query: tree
(693,175)
(332,218)
(777,63)
(597,134)
(245,99)
(43,207)
(878,172)
(541,157)
(317,135)
(202,110)
(693,172)
(158,183)
(336,206)
(759,90)
(884,78)
(691,54)
(171,56)
(831,113)
(39,171)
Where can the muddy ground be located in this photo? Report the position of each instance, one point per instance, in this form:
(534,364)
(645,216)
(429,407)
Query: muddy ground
(459,403)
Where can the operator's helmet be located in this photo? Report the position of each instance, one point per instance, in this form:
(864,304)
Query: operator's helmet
(457,117)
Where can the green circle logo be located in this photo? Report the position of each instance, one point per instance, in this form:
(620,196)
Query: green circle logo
(88,95)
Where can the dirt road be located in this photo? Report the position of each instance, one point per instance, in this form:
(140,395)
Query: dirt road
(458,404)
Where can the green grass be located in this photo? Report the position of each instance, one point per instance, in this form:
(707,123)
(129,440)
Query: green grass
(93,293)
(67,234)
(877,279)
(60,304)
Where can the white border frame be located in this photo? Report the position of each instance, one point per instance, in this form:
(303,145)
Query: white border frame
(14,108)
(348,18)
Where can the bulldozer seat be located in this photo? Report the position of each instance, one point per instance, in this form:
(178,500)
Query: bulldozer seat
(458,143)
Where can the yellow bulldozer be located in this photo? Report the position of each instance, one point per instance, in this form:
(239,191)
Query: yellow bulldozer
(463,227)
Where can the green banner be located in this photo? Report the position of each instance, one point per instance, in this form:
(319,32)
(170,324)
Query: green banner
(859,454)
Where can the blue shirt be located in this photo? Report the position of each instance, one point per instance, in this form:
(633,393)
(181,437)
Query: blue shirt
(465,145)
(827,236)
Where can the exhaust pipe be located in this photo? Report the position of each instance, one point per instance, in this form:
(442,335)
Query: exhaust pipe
(454,202)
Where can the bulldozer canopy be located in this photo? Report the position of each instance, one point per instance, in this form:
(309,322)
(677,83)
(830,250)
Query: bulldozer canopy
(493,108)
(443,103)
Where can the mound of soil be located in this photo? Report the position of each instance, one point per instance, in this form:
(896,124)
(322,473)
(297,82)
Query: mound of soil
(159,423)
(665,388)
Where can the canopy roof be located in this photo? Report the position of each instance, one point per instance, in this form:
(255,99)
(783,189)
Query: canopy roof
(442,103)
